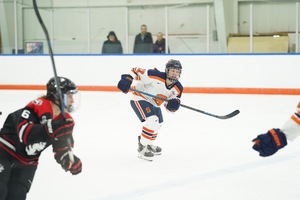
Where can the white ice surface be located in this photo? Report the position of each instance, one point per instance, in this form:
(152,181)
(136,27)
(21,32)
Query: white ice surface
(203,157)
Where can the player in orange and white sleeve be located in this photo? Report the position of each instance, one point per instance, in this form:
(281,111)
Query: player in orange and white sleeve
(276,138)
(161,84)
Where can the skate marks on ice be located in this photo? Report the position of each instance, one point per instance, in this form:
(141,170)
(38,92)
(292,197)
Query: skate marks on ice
(227,171)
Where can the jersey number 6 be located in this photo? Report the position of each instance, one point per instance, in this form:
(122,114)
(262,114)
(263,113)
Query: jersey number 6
(25,114)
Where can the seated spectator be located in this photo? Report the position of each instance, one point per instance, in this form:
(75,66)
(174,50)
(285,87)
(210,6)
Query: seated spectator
(160,44)
(112,45)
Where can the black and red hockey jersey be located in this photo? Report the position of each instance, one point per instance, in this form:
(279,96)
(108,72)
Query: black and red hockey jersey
(24,134)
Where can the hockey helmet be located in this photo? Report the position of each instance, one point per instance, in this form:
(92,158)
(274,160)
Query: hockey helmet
(173,64)
(66,87)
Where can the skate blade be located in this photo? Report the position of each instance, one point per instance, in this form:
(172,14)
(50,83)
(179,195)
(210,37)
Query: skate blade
(145,158)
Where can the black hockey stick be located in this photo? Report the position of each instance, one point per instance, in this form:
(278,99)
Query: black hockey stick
(230,115)
(36,10)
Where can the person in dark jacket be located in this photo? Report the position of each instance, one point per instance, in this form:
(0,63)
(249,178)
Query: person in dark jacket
(143,42)
(160,44)
(112,45)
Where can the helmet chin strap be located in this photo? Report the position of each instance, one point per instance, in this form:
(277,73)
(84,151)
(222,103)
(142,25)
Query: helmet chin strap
(56,100)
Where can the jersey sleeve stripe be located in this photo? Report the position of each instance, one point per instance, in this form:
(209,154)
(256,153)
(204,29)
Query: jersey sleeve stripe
(275,137)
(296,119)
(21,132)
(6,143)
(26,133)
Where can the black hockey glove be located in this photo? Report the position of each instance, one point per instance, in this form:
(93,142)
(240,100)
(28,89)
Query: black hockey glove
(173,104)
(269,143)
(125,83)
(62,158)
(59,128)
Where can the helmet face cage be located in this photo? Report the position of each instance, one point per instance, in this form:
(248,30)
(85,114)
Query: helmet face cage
(67,87)
(173,64)
(76,96)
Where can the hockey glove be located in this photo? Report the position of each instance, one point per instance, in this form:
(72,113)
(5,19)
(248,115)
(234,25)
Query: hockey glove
(62,158)
(125,83)
(173,105)
(269,143)
(60,127)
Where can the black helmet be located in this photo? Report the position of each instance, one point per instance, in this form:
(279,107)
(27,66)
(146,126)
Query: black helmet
(173,64)
(66,86)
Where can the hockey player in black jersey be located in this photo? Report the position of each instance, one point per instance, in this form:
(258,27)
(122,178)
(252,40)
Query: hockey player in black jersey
(161,84)
(30,130)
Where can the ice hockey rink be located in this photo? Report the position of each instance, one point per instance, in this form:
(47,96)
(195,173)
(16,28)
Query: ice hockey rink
(203,157)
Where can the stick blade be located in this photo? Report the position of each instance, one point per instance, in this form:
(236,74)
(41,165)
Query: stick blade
(230,115)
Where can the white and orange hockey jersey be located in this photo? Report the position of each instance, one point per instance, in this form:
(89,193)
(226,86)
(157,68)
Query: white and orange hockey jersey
(291,128)
(153,81)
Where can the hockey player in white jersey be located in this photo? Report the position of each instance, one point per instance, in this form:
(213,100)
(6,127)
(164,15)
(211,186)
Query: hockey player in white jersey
(269,143)
(162,84)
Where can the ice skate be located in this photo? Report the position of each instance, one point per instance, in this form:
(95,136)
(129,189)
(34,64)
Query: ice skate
(144,151)
(156,150)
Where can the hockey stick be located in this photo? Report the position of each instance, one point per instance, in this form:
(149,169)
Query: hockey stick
(36,10)
(230,115)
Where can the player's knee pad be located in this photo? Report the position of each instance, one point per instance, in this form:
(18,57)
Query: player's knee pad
(16,191)
(3,190)
(152,123)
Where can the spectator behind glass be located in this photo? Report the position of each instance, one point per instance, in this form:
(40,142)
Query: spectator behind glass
(160,44)
(112,45)
(143,42)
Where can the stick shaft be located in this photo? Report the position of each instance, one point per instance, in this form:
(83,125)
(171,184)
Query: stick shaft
(36,10)
(232,114)
(147,94)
